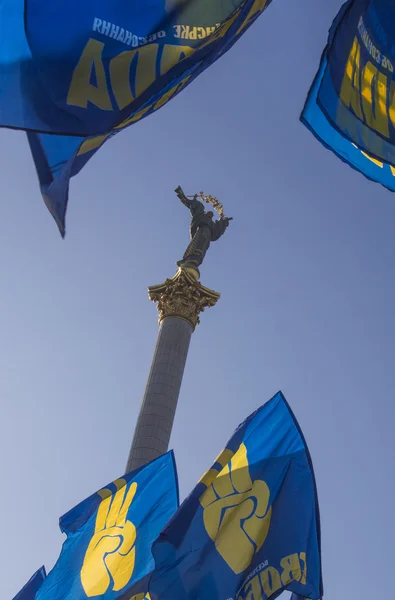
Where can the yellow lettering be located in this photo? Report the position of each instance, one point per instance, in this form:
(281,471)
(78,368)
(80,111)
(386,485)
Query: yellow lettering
(254,590)
(81,89)
(92,144)
(193,33)
(222,30)
(172,55)
(374,87)
(270,580)
(256,8)
(392,103)
(144,73)
(349,92)
(139,115)
(392,170)
(185,32)
(291,569)
(165,98)
(352,126)
(303,560)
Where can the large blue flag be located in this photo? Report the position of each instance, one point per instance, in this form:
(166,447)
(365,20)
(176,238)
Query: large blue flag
(250,529)
(29,591)
(81,69)
(91,72)
(107,553)
(314,118)
(351,107)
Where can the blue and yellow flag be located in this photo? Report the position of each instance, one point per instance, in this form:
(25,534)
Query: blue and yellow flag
(29,591)
(350,106)
(107,553)
(315,120)
(83,68)
(91,70)
(250,528)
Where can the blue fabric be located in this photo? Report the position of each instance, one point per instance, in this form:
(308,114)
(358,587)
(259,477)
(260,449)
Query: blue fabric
(357,86)
(83,69)
(75,68)
(28,592)
(15,58)
(314,118)
(250,528)
(107,552)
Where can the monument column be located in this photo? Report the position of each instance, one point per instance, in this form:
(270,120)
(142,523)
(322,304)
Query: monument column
(179,302)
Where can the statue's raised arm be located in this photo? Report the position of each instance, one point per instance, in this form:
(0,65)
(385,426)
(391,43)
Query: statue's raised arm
(195,206)
(180,193)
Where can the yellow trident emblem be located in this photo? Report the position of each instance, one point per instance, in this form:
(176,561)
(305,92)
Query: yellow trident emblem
(111,551)
(236,510)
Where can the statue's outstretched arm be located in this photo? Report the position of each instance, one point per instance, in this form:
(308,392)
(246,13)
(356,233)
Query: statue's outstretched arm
(195,206)
(180,193)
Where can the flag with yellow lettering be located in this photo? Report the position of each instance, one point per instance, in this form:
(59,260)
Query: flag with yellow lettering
(29,591)
(350,104)
(250,529)
(93,70)
(81,69)
(107,553)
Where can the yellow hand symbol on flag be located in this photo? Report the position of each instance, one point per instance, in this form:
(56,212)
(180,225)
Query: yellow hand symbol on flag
(236,511)
(111,551)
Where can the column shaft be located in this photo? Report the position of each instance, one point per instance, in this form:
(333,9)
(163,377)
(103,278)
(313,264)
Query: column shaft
(155,422)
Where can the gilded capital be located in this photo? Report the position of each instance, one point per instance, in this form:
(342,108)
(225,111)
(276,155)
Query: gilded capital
(182,296)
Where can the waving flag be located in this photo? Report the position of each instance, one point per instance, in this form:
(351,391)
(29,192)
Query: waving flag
(314,118)
(90,70)
(107,553)
(81,69)
(250,528)
(350,107)
(28,592)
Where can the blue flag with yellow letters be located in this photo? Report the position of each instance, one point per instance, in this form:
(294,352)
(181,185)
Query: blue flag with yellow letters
(315,120)
(350,105)
(29,591)
(250,529)
(90,70)
(81,69)
(107,553)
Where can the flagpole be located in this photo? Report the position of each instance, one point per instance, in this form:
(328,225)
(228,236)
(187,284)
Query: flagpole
(179,300)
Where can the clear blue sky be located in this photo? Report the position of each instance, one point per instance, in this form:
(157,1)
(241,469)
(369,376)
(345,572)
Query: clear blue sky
(306,274)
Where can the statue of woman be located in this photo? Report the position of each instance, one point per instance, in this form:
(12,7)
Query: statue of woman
(203,230)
